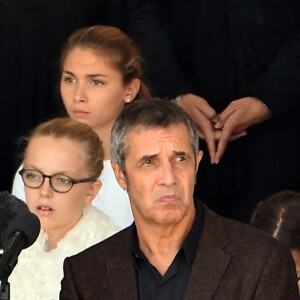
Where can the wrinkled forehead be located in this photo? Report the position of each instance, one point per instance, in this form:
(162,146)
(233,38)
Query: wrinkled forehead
(152,139)
(142,129)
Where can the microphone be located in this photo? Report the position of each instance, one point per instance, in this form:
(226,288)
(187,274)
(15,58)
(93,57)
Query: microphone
(21,233)
(10,206)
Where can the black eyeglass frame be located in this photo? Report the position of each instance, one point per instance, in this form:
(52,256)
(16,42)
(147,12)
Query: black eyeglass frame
(73,181)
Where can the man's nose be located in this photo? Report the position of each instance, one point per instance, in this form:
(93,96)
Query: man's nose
(167,174)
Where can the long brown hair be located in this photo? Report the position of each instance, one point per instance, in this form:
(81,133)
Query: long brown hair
(114,44)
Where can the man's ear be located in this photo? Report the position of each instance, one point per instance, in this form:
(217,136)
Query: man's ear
(120,176)
(198,159)
(93,191)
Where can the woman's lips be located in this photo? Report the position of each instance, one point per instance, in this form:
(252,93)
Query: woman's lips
(80,113)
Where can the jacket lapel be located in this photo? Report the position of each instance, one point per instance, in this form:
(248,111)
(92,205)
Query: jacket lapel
(211,259)
(121,273)
(210,264)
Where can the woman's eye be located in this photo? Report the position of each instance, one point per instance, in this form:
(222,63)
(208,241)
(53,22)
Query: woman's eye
(97,82)
(69,79)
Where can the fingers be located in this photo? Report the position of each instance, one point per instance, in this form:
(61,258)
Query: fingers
(224,137)
(233,128)
(233,137)
(193,104)
(206,132)
(236,118)
(229,125)
(211,145)
(231,109)
(247,112)
(202,114)
(237,136)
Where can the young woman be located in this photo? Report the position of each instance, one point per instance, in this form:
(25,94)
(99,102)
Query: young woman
(100,73)
(61,167)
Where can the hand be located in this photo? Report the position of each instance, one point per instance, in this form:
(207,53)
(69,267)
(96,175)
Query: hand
(236,118)
(203,115)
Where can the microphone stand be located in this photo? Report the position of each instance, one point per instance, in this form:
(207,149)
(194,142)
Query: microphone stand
(4,290)
(4,287)
(18,241)
(8,261)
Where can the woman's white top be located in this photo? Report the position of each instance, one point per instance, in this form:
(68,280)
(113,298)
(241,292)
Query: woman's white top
(111,199)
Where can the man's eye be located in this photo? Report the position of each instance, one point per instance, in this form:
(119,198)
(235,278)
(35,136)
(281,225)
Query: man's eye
(147,162)
(181,158)
(150,161)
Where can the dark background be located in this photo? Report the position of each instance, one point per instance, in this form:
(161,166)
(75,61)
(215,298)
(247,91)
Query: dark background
(32,33)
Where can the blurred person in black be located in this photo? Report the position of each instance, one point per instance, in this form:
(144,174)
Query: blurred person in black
(235,67)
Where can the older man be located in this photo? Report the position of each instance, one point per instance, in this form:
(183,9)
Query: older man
(177,248)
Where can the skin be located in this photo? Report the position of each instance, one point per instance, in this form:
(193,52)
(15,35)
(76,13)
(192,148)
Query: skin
(58,212)
(93,91)
(160,175)
(229,125)
(296,256)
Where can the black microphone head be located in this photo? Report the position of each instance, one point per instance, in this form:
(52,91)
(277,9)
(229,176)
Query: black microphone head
(10,206)
(28,223)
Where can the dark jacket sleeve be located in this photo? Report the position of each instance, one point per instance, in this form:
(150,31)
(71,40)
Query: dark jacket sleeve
(149,24)
(68,287)
(279,87)
(278,280)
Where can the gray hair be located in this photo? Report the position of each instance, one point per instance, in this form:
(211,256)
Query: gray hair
(148,113)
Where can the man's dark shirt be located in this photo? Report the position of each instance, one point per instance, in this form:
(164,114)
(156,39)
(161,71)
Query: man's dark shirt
(172,285)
